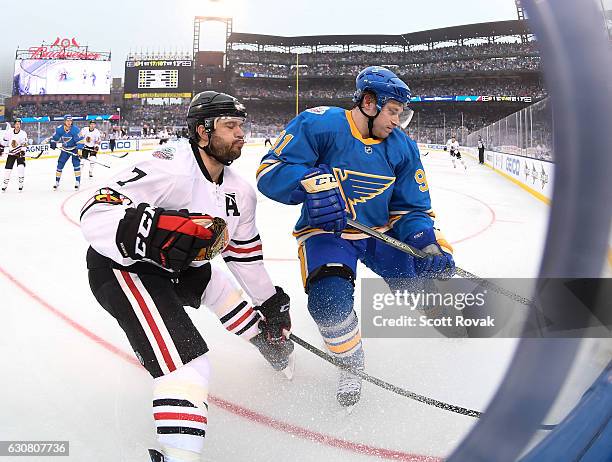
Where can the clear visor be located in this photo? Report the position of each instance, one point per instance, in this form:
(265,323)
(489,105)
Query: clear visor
(406,117)
(401,115)
(243,122)
(226,120)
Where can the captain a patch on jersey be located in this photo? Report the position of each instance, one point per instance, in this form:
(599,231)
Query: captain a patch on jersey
(231,205)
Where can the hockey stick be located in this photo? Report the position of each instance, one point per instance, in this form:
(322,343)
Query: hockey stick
(381,383)
(120,157)
(35,157)
(399,245)
(82,158)
(395,389)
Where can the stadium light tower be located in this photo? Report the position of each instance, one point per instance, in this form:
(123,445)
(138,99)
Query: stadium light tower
(197,23)
(519,10)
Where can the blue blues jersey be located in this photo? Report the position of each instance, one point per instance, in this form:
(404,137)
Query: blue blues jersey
(71,140)
(382,181)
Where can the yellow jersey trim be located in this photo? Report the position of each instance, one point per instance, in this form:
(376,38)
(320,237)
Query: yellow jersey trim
(356,133)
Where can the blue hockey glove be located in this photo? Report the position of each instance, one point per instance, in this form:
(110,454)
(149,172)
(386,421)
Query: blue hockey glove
(324,204)
(53,144)
(440,264)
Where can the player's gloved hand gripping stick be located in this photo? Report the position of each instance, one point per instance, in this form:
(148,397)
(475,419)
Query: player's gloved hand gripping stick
(438,259)
(275,330)
(420,254)
(276,324)
(322,198)
(170,238)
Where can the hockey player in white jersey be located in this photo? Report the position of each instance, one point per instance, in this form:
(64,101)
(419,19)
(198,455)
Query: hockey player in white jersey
(15,143)
(153,231)
(91,137)
(452,146)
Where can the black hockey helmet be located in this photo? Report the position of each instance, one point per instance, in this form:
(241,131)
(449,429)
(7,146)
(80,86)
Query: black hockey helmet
(206,107)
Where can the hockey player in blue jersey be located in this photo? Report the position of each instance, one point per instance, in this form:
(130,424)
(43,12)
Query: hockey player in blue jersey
(69,135)
(354,163)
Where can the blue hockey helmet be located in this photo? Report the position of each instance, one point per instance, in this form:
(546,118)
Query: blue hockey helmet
(67,117)
(384,84)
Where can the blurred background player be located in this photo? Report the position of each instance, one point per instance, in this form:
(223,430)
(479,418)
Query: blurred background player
(70,138)
(91,138)
(358,163)
(452,146)
(164,136)
(149,256)
(16,141)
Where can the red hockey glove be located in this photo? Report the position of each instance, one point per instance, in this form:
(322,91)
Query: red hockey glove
(172,239)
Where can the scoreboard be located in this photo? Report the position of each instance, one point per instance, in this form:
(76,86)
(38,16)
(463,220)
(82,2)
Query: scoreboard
(158,79)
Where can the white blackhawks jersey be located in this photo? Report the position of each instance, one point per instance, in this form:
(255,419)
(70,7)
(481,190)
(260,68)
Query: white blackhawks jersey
(90,138)
(15,142)
(173,178)
(452,146)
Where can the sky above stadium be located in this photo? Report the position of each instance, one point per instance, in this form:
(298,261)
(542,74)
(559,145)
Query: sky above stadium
(122,26)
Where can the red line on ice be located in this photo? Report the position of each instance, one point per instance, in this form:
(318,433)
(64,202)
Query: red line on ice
(233,408)
(493,216)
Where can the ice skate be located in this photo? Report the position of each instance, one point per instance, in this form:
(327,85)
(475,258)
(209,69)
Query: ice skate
(349,390)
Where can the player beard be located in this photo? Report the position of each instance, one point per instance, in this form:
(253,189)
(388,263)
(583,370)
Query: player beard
(226,152)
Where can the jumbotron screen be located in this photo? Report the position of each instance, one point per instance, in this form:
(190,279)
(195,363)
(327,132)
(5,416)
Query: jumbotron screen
(61,77)
(160,78)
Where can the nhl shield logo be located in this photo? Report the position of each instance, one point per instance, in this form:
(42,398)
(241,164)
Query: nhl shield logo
(368,149)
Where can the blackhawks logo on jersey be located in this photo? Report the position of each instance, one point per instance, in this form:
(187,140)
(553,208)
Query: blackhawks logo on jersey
(13,143)
(88,139)
(358,188)
(106,196)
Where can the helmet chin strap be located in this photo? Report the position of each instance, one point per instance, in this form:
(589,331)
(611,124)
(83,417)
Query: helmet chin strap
(370,119)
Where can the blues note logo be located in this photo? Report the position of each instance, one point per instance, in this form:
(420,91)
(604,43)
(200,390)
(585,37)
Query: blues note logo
(358,188)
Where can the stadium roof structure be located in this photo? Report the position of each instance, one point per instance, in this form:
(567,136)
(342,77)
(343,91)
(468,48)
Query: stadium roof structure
(488,30)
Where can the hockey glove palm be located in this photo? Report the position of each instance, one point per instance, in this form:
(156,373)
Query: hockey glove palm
(440,264)
(172,239)
(324,204)
(53,144)
(276,324)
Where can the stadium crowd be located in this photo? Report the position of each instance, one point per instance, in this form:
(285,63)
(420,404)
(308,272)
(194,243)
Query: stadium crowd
(509,64)
(343,90)
(61,108)
(483,50)
(166,115)
(489,69)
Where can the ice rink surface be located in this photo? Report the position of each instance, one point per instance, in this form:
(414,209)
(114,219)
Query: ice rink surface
(68,372)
